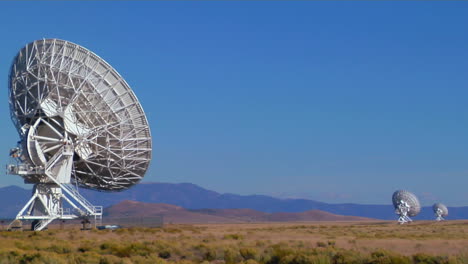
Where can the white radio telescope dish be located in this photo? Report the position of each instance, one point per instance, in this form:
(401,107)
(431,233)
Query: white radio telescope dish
(79,122)
(406,204)
(440,211)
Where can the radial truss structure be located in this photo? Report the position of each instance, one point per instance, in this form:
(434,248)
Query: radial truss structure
(79,123)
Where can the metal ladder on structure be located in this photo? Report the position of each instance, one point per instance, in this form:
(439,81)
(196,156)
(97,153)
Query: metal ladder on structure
(95,211)
(97,216)
(90,209)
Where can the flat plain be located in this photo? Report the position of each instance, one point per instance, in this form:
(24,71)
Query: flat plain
(298,242)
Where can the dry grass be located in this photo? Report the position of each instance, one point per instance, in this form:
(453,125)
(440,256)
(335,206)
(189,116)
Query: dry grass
(450,237)
(320,242)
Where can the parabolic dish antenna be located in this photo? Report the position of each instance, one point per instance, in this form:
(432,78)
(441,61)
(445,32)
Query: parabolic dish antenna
(440,211)
(406,204)
(79,123)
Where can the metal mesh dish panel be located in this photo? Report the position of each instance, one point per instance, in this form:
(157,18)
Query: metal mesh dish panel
(408,197)
(442,207)
(88,99)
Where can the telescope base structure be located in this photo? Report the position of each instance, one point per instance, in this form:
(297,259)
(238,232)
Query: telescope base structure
(404,219)
(402,210)
(52,189)
(46,205)
(439,218)
(439,215)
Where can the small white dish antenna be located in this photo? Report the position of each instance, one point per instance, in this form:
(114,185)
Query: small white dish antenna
(406,205)
(440,211)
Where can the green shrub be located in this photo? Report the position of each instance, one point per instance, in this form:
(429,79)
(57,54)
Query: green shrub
(109,259)
(422,258)
(233,236)
(209,254)
(107,246)
(303,258)
(29,258)
(139,249)
(172,230)
(126,250)
(205,252)
(59,248)
(84,258)
(145,260)
(22,245)
(122,252)
(84,247)
(321,244)
(276,253)
(320,259)
(347,257)
(164,254)
(290,259)
(231,256)
(385,257)
(248,253)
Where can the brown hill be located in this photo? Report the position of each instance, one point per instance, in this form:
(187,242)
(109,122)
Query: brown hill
(313,215)
(171,213)
(177,214)
(244,215)
(250,215)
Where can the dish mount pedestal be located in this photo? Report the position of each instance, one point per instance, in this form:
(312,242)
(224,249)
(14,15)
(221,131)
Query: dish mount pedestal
(52,188)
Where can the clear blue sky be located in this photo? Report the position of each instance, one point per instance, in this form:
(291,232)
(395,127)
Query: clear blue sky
(333,101)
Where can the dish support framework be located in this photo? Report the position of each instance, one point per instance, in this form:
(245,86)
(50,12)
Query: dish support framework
(439,215)
(402,210)
(52,187)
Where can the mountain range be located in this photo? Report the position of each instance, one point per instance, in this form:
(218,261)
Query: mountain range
(193,197)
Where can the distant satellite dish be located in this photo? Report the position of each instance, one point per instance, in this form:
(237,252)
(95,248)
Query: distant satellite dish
(440,211)
(79,122)
(406,204)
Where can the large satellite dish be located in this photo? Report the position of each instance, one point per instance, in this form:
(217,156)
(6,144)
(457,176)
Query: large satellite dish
(440,211)
(79,123)
(406,204)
